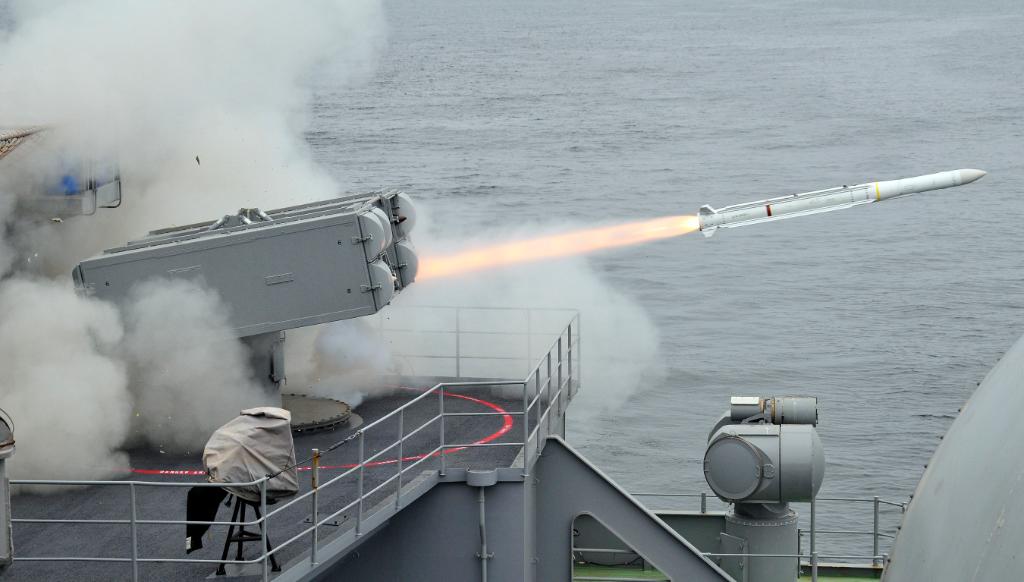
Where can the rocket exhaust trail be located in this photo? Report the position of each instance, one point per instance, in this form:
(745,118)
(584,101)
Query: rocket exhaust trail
(577,242)
(585,241)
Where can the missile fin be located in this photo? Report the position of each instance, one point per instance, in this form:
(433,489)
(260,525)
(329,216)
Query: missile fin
(706,215)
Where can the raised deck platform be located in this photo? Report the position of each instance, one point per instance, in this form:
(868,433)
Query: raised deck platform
(502,426)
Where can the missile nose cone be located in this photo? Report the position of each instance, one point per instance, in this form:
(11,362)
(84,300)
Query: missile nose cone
(967,176)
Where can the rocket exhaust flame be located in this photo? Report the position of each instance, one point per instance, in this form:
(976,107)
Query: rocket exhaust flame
(577,242)
(585,241)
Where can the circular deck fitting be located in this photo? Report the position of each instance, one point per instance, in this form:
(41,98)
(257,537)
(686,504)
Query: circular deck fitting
(315,413)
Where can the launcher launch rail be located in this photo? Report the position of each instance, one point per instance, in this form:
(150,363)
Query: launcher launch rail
(278,270)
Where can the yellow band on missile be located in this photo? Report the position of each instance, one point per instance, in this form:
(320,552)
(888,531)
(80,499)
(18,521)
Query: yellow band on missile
(878,193)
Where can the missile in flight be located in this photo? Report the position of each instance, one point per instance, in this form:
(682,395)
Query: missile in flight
(827,200)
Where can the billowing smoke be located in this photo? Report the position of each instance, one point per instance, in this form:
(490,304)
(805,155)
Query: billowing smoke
(203,103)
(63,382)
(189,372)
(619,341)
(203,106)
(345,360)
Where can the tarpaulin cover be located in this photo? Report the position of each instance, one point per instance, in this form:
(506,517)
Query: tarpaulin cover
(256,443)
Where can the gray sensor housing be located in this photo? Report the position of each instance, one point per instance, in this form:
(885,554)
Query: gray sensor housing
(776,410)
(765,463)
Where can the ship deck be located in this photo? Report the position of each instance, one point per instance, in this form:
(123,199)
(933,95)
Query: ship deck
(166,503)
(601,573)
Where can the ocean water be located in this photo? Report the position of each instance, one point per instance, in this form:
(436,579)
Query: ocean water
(536,111)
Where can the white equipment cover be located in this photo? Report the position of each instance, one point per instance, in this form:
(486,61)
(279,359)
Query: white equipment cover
(256,443)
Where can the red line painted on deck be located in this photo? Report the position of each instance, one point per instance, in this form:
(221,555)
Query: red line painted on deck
(506,426)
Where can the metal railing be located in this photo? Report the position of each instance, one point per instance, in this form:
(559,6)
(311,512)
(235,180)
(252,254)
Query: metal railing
(877,557)
(545,392)
(457,324)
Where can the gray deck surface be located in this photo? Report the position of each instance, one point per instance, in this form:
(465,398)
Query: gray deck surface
(167,541)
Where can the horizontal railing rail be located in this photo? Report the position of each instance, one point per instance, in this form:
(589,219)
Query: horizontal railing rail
(544,393)
(878,504)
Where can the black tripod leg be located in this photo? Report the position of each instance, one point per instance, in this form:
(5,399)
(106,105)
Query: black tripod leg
(241,530)
(273,558)
(227,541)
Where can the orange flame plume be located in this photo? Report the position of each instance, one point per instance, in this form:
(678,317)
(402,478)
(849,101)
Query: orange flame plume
(577,242)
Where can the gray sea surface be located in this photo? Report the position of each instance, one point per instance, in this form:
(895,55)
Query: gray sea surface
(537,111)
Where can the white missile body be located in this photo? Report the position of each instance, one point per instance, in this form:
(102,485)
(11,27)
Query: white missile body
(827,200)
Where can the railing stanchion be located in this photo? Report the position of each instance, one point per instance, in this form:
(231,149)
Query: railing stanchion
(814,551)
(526,429)
(362,470)
(540,405)
(458,343)
(401,457)
(444,465)
(874,547)
(569,337)
(264,525)
(560,357)
(579,348)
(529,338)
(799,548)
(314,477)
(135,535)
(548,390)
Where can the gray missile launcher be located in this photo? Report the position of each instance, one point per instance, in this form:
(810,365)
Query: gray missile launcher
(282,269)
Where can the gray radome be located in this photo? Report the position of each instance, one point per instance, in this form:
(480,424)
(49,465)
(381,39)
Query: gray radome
(966,520)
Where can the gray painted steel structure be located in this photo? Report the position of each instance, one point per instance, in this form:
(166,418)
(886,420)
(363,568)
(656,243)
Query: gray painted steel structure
(966,520)
(529,528)
(298,266)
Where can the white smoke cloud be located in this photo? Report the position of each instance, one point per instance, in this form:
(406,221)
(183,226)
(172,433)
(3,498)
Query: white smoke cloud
(189,372)
(619,341)
(154,85)
(63,383)
(157,84)
(345,360)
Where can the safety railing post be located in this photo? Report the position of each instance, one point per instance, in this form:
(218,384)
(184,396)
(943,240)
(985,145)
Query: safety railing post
(540,404)
(548,390)
(561,396)
(314,477)
(526,429)
(444,465)
(569,339)
(264,525)
(458,343)
(561,357)
(529,338)
(814,552)
(135,534)
(799,547)
(362,467)
(401,457)
(579,349)
(874,547)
